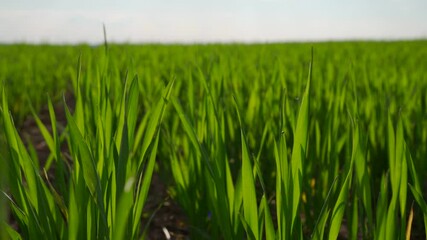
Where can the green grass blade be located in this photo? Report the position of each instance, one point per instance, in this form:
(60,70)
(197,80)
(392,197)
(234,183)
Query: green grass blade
(123,211)
(270,233)
(320,226)
(300,146)
(250,208)
(145,178)
(340,206)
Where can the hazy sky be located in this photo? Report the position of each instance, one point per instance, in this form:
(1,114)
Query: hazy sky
(60,21)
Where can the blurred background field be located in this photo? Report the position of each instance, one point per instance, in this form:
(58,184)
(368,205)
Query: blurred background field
(366,107)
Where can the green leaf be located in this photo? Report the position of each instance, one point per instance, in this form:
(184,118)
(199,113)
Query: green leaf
(270,233)
(300,146)
(123,210)
(340,205)
(250,208)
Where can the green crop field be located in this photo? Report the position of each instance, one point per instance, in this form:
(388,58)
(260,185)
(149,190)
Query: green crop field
(251,141)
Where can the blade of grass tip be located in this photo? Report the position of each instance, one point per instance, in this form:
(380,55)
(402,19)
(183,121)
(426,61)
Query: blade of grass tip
(78,111)
(250,208)
(105,38)
(300,145)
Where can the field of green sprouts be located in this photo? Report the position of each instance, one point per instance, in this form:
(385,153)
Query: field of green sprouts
(265,141)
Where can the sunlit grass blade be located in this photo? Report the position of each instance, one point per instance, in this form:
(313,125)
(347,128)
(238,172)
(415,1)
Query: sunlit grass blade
(270,233)
(340,206)
(189,129)
(381,213)
(154,122)
(46,135)
(123,210)
(401,167)
(362,175)
(319,228)
(9,231)
(143,187)
(300,146)
(283,181)
(249,233)
(250,208)
(146,173)
(85,158)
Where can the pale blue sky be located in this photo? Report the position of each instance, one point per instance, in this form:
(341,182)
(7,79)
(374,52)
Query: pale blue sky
(60,21)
